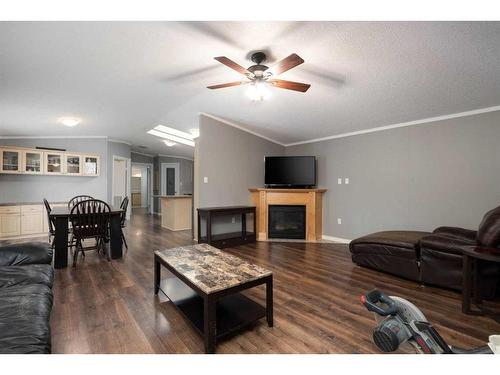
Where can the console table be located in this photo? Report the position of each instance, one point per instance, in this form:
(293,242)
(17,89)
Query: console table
(227,239)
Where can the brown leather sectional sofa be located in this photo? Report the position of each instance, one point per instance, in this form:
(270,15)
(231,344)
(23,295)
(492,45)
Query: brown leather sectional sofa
(431,258)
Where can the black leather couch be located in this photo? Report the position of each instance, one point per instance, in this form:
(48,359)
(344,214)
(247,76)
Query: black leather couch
(431,258)
(26,278)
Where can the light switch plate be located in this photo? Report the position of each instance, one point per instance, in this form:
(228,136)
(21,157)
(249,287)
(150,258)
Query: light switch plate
(346,180)
(339,220)
(205,180)
(339,180)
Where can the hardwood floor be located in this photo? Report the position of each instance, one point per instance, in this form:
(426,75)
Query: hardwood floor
(110,307)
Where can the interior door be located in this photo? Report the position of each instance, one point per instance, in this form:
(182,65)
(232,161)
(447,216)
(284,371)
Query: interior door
(170,183)
(119,181)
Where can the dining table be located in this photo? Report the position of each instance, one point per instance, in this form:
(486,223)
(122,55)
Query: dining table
(61,217)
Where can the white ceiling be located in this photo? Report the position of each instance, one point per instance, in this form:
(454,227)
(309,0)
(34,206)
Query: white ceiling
(123,78)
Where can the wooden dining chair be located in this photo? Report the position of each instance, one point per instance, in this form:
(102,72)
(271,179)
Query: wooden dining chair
(123,217)
(51,223)
(77,199)
(90,219)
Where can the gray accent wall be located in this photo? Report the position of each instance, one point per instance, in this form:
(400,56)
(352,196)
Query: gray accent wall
(417,177)
(233,161)
(27,188)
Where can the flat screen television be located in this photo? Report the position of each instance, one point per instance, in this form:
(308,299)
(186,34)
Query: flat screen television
(290,171)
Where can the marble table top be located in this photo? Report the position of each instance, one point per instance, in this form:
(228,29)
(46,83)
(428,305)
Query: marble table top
(209,268)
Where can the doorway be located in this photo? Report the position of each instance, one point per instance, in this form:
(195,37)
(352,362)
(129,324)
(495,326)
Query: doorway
(170,178)
(120,181)
(142,186)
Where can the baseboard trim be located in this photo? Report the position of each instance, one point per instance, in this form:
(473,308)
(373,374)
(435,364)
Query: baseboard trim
(335,239)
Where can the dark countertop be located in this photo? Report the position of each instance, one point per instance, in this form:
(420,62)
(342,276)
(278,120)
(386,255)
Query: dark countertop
(28,203)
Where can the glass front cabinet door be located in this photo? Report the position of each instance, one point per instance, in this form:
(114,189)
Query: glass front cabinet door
(91,166)
(73,164)
(53,162)
(10,160)
(32,162)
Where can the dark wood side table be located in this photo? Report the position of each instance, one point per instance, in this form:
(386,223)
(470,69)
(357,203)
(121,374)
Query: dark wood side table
(228,239)
(471,280)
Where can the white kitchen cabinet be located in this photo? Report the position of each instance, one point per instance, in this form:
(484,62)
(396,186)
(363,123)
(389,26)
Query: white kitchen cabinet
(22,160)
(54,162)
(73,164)
(10,221)
(91,165)
(31,219)
(32,162)
(10,160)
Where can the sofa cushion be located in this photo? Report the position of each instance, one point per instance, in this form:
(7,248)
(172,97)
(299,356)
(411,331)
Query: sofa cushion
(25,253)
(24,319)
(394,252)
(397,238)
(25,275)
(466,234)
(488,233)
(446,244)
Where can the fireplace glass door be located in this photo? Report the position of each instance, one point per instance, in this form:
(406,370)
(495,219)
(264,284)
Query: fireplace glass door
(287,222)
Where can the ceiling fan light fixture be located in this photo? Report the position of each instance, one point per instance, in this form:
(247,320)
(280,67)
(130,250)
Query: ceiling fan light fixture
(259,90)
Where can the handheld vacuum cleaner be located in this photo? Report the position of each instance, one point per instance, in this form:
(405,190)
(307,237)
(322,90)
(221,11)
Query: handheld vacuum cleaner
(400,322)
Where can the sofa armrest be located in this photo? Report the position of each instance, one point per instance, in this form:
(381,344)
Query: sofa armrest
(467,234)
(25,253)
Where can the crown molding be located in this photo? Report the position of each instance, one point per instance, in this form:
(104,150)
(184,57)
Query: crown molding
(143,154)
(175,156)
(400,125)
(119,141)
(227,122)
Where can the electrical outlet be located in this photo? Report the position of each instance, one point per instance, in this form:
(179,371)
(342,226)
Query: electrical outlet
(346,180)
(339,180)
(339,220)
(205,180)
(233,220)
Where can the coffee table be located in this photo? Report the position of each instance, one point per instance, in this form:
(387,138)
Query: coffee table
(206,289)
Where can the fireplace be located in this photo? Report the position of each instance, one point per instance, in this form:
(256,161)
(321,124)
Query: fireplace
(287,222)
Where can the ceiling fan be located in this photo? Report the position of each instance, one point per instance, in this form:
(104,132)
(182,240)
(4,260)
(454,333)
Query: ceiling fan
(260,77)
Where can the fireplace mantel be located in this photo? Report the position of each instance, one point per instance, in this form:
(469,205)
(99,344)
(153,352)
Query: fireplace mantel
(311,198)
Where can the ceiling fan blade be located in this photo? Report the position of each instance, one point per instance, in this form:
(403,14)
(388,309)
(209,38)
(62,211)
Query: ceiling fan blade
(222,85)
(231,64)
(286,64)
(289,85)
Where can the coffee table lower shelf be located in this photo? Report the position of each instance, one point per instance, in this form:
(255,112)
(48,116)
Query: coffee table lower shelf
(233,312)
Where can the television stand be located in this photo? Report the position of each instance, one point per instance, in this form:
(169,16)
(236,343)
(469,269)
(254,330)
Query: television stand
(226,239)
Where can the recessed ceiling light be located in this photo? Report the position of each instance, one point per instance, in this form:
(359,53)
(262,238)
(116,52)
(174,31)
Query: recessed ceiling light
(69,121)
(195,132)
(169,143)
(171,137)
(178,133)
